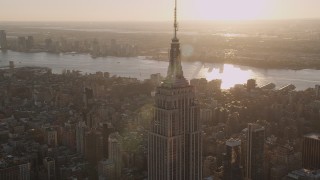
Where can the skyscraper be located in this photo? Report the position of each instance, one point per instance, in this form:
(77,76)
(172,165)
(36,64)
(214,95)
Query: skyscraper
(255,152)
(107,129)
(80,137)
(51,137)
(174,142)
(3,39)
(50,168)
(317,89)
(115,153)
(232,165)
(93,147)
(311,151)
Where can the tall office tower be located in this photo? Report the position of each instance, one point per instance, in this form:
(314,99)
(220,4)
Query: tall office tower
(3,39)
(29,42)
(94,147)
(311,151)
(80,135)
(50,168)
(11,66)
(232,165)
(255,152)
(251,84)
(22,43)
(107,129)
(317,89)
(174,141)
(115,152)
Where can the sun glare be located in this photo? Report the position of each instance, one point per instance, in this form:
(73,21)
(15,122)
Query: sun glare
(229,75)
(230,9)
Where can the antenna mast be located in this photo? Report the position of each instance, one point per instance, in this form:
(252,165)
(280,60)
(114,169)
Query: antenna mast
(175,20)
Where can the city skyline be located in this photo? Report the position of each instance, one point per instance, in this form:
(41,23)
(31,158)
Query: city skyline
(97,10)
(222,100)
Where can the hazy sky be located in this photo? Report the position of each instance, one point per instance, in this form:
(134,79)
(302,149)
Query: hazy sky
(155,10)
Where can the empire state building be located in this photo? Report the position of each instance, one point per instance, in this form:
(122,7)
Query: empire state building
(174,141)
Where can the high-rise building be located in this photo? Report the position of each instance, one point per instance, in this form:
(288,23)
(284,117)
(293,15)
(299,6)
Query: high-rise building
(3,39)
(93,147)
(232,161)
(255,152)
(317,89)
(311,151)
(15,172)
(287,157)
(174,141)
(29,42)
(11,66)
(51,137)
(50,168)
(22,43)
(107,129)
(251,84)
(115,152)
(80,135)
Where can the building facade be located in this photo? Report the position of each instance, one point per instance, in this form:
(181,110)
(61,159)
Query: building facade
(115,153)
(51,137)
(311,151)
(93,147)
(50,167)
(317,89)
(174,141)
(17,172)
(232,165)
(80,137)
(3,39)
(255,152)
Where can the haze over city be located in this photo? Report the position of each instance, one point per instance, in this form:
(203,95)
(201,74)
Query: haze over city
(160,90)
(155,10)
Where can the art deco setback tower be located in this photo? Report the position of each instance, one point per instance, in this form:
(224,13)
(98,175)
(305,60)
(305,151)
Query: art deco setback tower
(174,142)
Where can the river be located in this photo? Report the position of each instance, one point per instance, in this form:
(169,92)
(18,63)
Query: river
(142,67)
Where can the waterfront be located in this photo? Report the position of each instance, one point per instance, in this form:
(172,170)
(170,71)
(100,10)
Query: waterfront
(141,68)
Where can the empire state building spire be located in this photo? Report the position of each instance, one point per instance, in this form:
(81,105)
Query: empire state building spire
(175,20)
(174,137)
(175,74)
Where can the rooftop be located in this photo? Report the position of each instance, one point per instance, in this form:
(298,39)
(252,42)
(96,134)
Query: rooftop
(313,136)
(233,142)
(304,173)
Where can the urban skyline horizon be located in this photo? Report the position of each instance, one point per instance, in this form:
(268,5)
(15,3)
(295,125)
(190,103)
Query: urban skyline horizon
(36,10)
(211,121)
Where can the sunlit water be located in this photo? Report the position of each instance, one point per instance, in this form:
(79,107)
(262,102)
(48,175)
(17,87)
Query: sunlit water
(141,68)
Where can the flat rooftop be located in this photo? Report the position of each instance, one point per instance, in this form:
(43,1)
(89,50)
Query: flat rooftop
(233,142)
(313,136)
